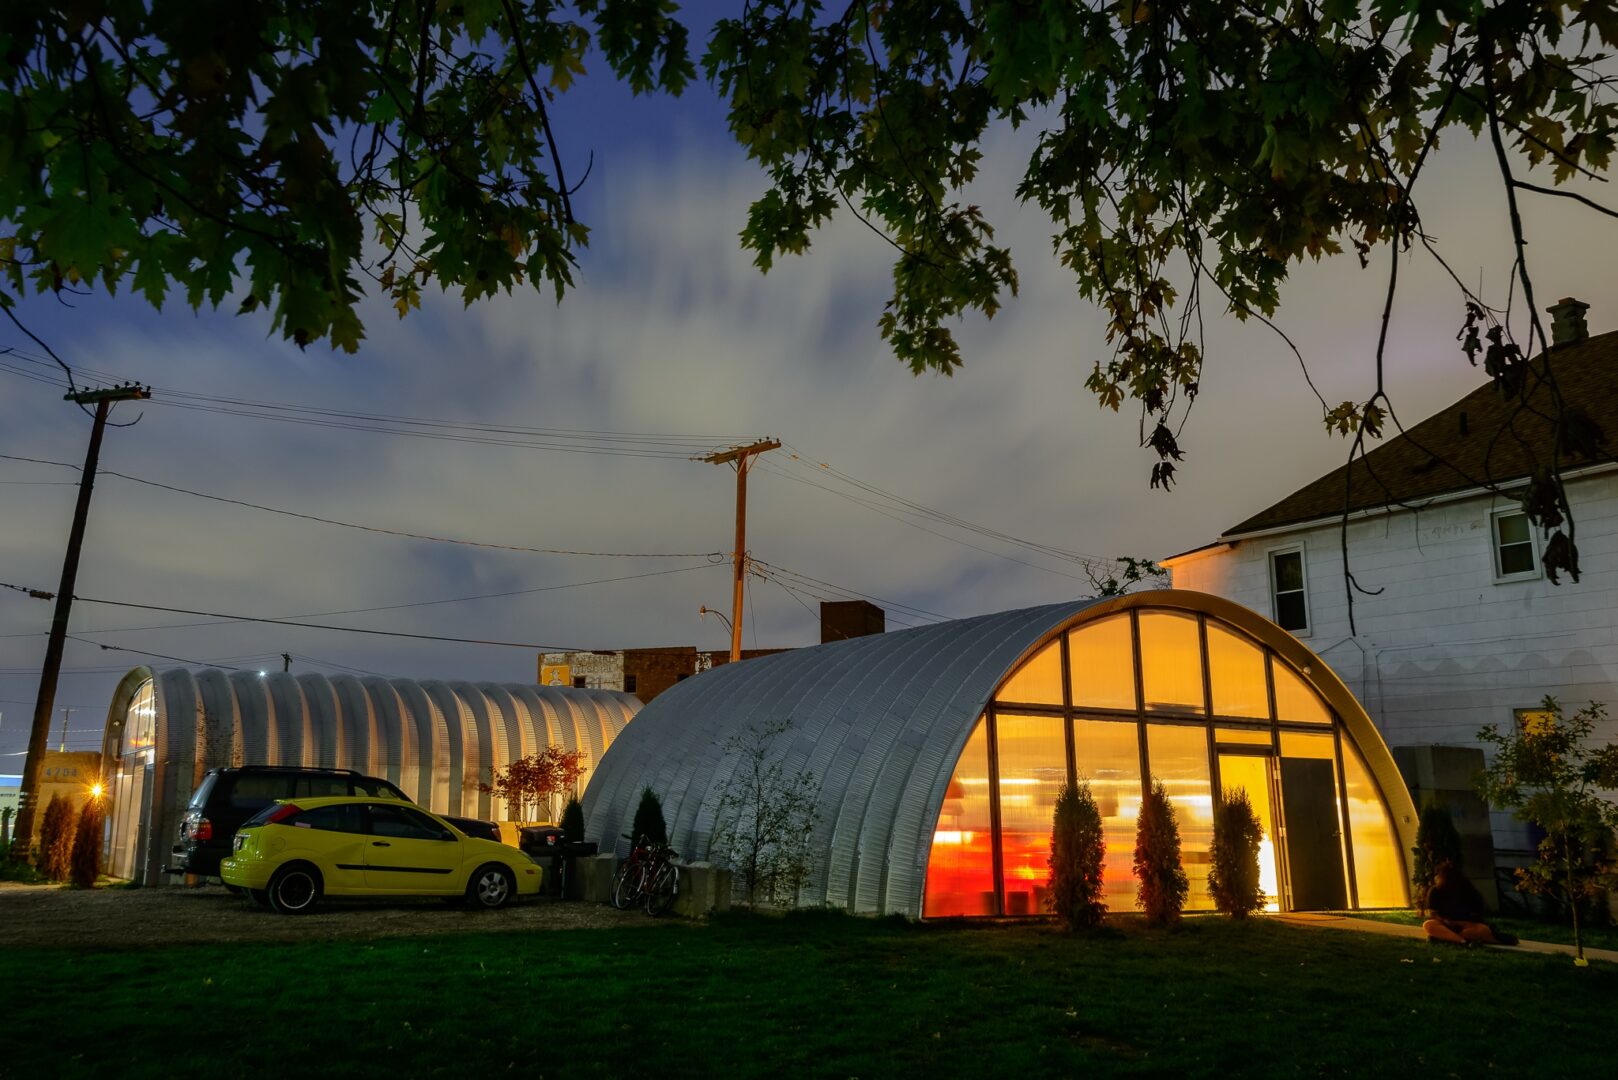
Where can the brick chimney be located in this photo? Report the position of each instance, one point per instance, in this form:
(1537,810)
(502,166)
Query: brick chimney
(1567,321)
(842,619)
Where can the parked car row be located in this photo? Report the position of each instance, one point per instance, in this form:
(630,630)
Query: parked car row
(289,836)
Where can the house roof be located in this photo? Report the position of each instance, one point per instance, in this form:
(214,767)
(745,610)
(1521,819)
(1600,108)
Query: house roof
(1484,438)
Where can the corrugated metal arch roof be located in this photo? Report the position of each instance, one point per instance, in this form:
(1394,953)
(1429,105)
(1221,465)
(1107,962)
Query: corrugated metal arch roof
(879,720)
(434,739)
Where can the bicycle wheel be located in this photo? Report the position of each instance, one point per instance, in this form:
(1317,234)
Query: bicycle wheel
(662,889)
(626,886)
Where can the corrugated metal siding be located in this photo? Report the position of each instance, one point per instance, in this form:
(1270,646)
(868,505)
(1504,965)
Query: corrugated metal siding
(879,721)
(399,729)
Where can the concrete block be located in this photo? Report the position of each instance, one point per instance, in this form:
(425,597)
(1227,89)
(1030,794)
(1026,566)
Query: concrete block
(704,888)
(595,878)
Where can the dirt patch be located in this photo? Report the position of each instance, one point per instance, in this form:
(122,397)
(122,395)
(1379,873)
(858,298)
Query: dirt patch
(118,918)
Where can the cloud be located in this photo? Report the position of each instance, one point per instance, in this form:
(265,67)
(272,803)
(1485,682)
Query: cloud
(672,330)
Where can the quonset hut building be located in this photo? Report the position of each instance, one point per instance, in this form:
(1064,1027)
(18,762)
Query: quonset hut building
(435,740)
(939,752)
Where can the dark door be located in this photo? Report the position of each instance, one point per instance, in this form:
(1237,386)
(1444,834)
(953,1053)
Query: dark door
(1314,843)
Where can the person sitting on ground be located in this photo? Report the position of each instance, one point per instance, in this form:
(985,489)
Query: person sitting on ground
(1455,909)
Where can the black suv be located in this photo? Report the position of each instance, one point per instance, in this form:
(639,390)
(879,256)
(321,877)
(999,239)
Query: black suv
(226,798)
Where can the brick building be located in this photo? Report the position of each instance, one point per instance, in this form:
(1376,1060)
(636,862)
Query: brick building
(648,672)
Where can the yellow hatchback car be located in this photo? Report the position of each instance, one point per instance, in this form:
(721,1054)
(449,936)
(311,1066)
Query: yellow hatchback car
(292,853)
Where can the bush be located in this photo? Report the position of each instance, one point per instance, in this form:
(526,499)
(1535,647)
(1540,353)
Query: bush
(1163,884)
(56,839)
(573,821)
(1233,873)
(85,860)
(1437,842)
(649,820)
(1077,848)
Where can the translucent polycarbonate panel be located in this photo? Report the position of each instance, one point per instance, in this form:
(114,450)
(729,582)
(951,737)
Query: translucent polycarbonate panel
(1033,767)
(1379,866)
(1102,657)
(1251,773)
(1295,700)
(1108,756)
(140,727)
(960,869)
(1298,745)
(1178,757)
(1246,736)
(1039,681)
(1171,662)
(1236,672)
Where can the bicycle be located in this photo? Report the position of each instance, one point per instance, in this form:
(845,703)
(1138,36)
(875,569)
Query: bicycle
(649,878)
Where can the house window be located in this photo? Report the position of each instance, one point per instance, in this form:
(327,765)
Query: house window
(1515,556)
(629,684)
(1290,602)
(578,682)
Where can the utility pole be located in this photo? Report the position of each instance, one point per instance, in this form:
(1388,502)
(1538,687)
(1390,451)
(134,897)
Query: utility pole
(742,457)
(45,700)
(67,711)
(286,661)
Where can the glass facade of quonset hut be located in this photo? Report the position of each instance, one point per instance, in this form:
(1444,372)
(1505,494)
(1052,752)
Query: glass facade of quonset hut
(436,740)
(939,753)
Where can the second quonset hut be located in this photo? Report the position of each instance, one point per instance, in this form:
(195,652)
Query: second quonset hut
(939,751)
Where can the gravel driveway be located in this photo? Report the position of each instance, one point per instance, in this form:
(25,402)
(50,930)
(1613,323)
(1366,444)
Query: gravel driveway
(116,918)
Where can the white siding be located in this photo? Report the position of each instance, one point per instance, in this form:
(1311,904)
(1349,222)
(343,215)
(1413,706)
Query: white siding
(1444,649)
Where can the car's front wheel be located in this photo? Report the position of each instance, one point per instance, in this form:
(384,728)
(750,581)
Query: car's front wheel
(295,889)
(491,887)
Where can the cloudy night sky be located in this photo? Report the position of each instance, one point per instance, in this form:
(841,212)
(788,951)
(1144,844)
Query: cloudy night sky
(673,333)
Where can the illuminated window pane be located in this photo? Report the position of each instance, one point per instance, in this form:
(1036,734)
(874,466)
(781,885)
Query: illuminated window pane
(1103,659)
(1250,773)
(1378,859)
(1033,768)
(1295,701)
(1178,756)
(960,870)
(1236,669)
(1318,747)
(1171,662)
(1108,756)
(1250,736)
(1039,681)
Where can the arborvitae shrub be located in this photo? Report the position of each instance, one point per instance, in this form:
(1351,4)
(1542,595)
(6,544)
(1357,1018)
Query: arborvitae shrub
(85,861)
(649,820)
(1437,841)
(573,822)
(56,838)
(1233,857)
(1163,884)
(1077,847)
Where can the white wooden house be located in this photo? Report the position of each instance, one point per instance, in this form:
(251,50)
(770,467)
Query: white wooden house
(1459,624)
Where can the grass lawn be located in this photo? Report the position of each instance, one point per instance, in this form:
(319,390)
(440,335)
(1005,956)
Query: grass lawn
(811,994)
(1595,937)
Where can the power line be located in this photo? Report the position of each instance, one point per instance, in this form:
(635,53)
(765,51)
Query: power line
(872,506)
(571,440)
(392,607)
(368,630)
(770,568)
(380,529)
